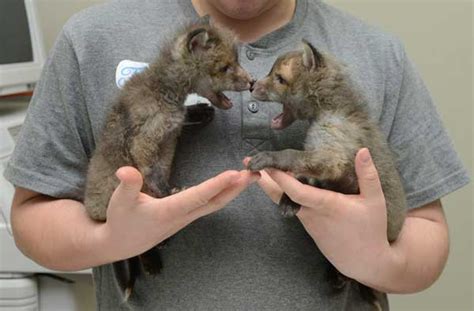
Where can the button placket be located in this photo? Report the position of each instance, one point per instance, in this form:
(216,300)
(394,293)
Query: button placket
(255,122)
(255,128)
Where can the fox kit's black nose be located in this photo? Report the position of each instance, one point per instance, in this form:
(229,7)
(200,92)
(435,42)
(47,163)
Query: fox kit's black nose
(252,83)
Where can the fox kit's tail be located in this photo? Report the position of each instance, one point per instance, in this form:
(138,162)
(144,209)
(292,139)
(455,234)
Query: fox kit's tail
(369,295)
(126,272)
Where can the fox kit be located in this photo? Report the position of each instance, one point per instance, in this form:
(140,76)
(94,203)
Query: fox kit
(145,121)
(313,86)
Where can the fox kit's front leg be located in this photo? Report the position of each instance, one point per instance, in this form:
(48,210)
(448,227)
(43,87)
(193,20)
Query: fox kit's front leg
(322,165)
(283,160)
(153,151)
(306,165)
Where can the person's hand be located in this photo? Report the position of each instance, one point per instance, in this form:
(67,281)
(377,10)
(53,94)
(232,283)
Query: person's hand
(136,222)
(350,230)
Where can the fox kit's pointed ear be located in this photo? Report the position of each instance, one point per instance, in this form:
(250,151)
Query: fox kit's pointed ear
(312,59)
(198,40)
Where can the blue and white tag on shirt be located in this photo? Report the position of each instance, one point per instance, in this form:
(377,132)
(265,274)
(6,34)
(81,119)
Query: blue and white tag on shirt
(126,69)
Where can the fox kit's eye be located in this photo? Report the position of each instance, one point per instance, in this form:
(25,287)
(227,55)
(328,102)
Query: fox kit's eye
(225,69)
(280,79)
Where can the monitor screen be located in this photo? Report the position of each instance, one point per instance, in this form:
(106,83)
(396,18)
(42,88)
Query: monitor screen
(14,33)
(21,46)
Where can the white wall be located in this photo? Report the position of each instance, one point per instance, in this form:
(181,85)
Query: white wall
(438,37)
(54,13)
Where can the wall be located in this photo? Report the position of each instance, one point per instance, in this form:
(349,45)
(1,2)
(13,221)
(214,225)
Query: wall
(438,37)
(54,13)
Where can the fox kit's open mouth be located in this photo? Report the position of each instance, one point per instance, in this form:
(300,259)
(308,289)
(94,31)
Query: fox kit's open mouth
(283,120)
(224,101)
(219,100)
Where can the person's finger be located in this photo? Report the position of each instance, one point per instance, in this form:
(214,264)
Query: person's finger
(227,195)
(197,196)
(300,193)
(270,187)
(128,190)
(367,176)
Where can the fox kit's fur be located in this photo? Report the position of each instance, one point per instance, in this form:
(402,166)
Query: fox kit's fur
(313,86)
(145,121)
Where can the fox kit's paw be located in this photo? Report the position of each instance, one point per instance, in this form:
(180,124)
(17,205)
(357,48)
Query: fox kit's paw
(157,188)
(151,261)
(152,268)
(177,189)
(260,161)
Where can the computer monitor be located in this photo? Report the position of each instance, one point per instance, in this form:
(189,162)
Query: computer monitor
(21,47)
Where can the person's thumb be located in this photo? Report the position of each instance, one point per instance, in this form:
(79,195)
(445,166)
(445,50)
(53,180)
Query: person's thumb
(367,176)
(131,182)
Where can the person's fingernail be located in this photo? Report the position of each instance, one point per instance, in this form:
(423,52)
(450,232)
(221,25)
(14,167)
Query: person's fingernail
(365,157)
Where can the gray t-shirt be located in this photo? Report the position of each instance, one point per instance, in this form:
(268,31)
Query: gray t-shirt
(245,256)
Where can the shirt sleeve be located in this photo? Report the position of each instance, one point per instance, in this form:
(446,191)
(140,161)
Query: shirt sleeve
(52,150)
(429,166)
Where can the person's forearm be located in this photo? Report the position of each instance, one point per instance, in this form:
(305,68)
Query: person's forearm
(414,261)
(58,234)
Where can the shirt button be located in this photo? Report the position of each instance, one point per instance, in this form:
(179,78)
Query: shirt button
(250,55)
(253,107)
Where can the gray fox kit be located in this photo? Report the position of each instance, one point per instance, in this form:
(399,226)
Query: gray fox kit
(145,121)
(313,86)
